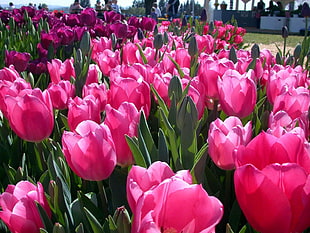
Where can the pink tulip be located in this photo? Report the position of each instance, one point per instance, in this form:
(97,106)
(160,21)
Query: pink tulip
(107,60)
(130,90)
(265,149)
(141,180)
(59,70)
(90,151)
(276,198)
(224,138)
(205,43)
(9,74)
(294,101)
(130,54)
(123,121)
(99,91)
(183,58)
(175,206)
(11,89)
(93,75)
(99,45)
(30,114)
(60,93)
(237,93)
(83,109)
(18,207)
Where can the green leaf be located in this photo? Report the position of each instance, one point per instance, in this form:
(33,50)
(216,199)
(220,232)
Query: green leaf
(58,228)
(175,87)
(142,54)
(163,152)
(79,228)
(161,102)
(198,168)
(48,225)
(181,73)
(117,182)
(228,229)
(95,225)
(137,154)
(145,133)
(90,204)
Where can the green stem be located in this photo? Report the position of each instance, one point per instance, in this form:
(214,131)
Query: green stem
(228,193)
(103,198)
(40,156)
(284,47)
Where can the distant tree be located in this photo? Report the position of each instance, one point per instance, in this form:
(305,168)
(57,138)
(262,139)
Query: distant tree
(162,6)
(138,3)
(148,6)
(85,3)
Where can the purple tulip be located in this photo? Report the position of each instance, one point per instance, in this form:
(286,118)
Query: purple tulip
(18,59)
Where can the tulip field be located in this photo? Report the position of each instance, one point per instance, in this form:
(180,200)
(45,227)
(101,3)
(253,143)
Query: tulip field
(119,124)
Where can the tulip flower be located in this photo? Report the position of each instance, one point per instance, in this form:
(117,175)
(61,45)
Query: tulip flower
(99,91)
(141,180)
(130,90)
(9,73)
(224,138)
(295,101)
(18,207)
(18,59)
(30,114)
(266,149)
(176,206)
(123,121)
(274,199)
(90,151)
(61,93)
(237,93)
(83,109)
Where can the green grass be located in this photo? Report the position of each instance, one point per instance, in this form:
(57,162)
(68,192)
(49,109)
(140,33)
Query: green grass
(268,39)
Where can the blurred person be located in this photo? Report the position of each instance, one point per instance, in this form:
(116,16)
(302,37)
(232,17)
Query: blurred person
(172,8)
(75,7)
(157,10)
(11,6)
(116,7)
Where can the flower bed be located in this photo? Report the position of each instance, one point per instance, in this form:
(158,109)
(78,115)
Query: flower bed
(118,125)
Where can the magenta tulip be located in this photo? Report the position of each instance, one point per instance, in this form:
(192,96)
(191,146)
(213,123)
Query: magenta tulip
(294,101)
(99,91)
(176,206)
(18,59)
(83,109)
(9,74)
(141,180)
(276,198)
(130,90)
(123,121)
(18,207)
(90,151)
(237,93)
(30,114)
(224,138)
(61,93)
(266,149)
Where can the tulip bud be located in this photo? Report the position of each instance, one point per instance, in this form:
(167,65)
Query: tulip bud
(158,41)
(255,53)
(51,190)
(297,51)
(114,40)
(85,43)
(58,228)
(187,111)
(233,55)
(203,15)
(192,47)
(278,58)
(155,30)
(140,34)
(184,22)
(284,32)
(305,10)
(122,220)
(211,27)
(166,38)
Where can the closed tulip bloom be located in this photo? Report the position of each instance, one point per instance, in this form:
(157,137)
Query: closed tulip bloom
(18,59)
(80,110)
(224,138)
(294,101)
(123,121)
(18,207)
(30,114)
(9,74)
(274,199)
(237,93)
(176,206)
(99,91)
(90,151)
(141,180)
(130,90)
(61,93)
